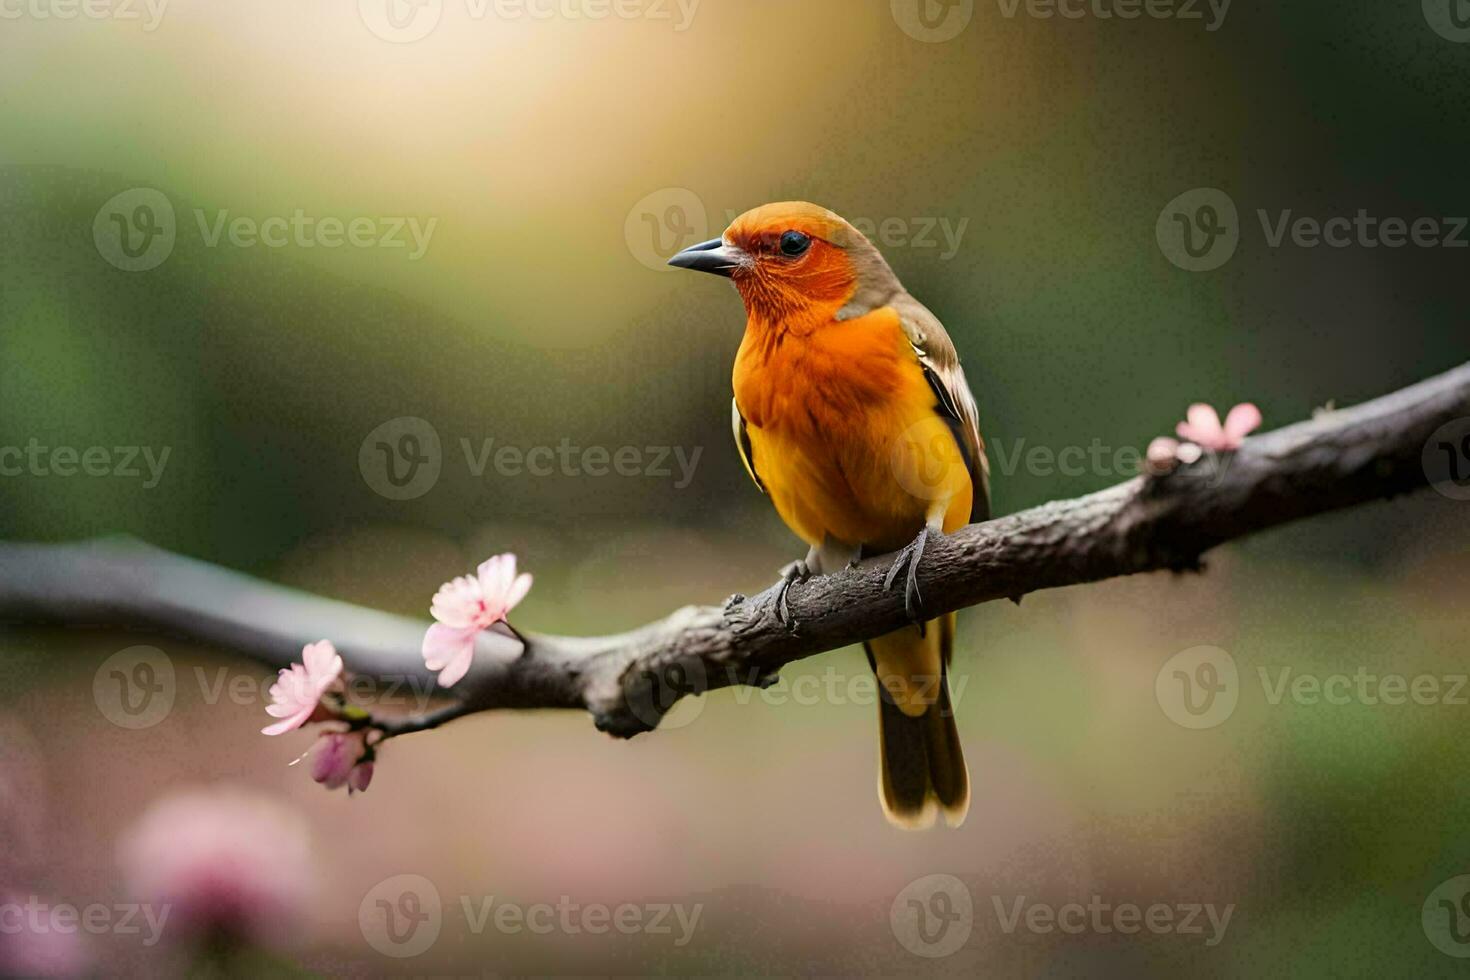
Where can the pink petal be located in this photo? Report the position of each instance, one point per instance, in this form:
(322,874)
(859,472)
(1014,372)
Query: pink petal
(321,660)
(455,670)
(288,724)
(449,650)
(495,574)
(359,778)
(1243,419)
(333,759)
(457,602)
(517,591)
(1201,425)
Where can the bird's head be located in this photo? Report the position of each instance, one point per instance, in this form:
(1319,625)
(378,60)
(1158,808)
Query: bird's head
(795,264)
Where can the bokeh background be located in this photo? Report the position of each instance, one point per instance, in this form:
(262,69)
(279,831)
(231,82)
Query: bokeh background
(1015,167)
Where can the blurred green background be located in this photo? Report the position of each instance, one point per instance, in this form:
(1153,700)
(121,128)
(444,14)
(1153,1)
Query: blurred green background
(559,159)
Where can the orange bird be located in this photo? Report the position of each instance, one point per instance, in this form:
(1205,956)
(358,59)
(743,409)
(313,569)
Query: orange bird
(852,414)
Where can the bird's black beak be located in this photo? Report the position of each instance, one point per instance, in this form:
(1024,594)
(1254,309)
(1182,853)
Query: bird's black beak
(711,256)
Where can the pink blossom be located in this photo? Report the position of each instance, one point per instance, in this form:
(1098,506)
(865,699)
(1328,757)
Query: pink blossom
(358,779)
(299,689)
(1202,426)
(464,607)
(337,757)
(1162,455)
(228,861)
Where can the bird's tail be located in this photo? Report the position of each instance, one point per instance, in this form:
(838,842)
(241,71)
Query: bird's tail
(921,766)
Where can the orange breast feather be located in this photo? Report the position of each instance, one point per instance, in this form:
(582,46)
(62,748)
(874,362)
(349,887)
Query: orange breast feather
(844,433)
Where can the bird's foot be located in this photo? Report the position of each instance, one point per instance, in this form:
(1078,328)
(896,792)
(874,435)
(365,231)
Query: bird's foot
(797,571)
(909,558)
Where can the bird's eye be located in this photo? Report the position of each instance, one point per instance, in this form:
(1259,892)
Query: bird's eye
(794,243)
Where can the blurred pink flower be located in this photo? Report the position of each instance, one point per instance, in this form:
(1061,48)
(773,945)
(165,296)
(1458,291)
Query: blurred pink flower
(1162,455)
(229,862)
(1202,426)
(341,759)
(31,948)
(359,778)
(298,690)
(464,607)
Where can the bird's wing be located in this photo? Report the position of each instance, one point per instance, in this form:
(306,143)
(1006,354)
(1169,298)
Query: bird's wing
(742,443)
(941,362)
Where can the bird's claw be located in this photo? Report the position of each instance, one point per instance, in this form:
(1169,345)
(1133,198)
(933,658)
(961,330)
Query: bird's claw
(909,559)
(797,571)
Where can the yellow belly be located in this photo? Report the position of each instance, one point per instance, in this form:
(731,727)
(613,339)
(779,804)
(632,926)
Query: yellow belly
(848,442)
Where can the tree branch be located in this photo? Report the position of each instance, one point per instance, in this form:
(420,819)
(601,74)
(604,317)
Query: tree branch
(1338,459)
